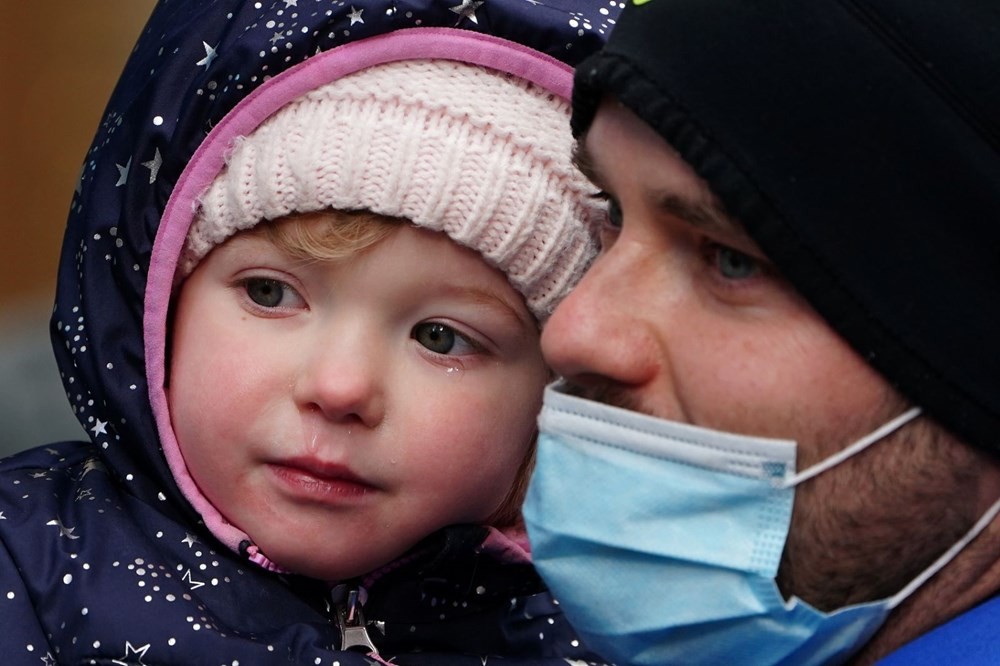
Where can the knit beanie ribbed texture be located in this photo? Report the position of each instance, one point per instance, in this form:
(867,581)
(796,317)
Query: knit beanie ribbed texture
(479,155)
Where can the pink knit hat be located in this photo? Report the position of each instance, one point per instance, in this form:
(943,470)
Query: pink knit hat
(482,156)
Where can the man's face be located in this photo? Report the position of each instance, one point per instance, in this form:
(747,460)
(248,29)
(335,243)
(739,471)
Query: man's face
(682,317)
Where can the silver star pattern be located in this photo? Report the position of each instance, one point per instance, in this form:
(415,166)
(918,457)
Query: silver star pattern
(210,55)
(355,15)
(100,428)
(191,581)
(468,9)
(123,173)
(134,653)
(63,530)
(154,166)
(91,465)
(78,190)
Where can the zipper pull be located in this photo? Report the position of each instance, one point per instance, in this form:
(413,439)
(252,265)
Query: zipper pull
(351,619)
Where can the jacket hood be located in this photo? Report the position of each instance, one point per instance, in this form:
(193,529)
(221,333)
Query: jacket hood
(201,74)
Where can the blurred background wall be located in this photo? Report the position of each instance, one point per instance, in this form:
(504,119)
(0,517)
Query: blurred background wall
(59,60)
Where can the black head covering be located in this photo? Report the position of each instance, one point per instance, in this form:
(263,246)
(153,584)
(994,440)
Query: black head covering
(858,141)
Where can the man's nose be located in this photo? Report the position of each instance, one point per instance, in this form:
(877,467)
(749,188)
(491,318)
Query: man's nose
(342,377)
(600,334)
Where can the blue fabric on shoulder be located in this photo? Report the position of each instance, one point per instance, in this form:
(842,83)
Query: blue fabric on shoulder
(970,639)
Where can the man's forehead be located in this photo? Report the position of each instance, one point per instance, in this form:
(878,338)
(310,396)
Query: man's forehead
(620,151)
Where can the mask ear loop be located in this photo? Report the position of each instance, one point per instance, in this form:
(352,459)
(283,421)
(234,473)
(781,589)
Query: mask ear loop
(853,449)
(861,445)
(947,556)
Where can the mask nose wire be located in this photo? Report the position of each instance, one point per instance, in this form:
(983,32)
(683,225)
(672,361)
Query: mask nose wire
(853,449)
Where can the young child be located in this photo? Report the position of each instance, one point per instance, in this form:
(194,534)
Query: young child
(299,310)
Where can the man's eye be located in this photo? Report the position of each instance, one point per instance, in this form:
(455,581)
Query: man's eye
(265,292)
(442,339)
(611,226)
(614,214)
(735,265)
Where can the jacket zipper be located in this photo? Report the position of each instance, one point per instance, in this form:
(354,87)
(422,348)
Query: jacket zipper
(347,611)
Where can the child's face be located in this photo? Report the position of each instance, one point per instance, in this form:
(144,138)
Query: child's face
(338,412)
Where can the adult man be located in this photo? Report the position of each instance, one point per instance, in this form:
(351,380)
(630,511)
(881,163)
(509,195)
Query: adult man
(801,246)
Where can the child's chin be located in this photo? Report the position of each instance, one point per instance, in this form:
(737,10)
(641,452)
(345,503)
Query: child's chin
(328,570)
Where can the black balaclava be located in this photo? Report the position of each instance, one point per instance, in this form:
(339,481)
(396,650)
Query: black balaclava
(859,144)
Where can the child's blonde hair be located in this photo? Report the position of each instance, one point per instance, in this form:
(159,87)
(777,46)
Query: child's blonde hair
(328,235)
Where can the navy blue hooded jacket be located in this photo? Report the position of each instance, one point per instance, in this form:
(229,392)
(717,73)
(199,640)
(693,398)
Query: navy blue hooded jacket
(102,559)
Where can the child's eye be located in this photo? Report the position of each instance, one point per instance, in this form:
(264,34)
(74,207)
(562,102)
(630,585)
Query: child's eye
(269,293)
(442,339)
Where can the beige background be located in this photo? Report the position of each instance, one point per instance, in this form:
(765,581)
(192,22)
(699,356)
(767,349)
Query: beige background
(59,60)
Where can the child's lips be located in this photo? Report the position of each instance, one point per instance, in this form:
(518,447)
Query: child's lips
(315,479)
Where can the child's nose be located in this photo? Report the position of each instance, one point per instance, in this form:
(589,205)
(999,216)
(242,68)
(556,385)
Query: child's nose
(342,379)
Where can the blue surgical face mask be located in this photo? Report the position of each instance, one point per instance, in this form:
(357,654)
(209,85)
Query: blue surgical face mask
(662,540)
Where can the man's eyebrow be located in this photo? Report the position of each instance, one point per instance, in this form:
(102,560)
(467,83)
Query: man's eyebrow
(708,215)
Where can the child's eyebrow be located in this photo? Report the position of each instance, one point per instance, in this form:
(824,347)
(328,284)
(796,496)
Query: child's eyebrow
(491,299)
